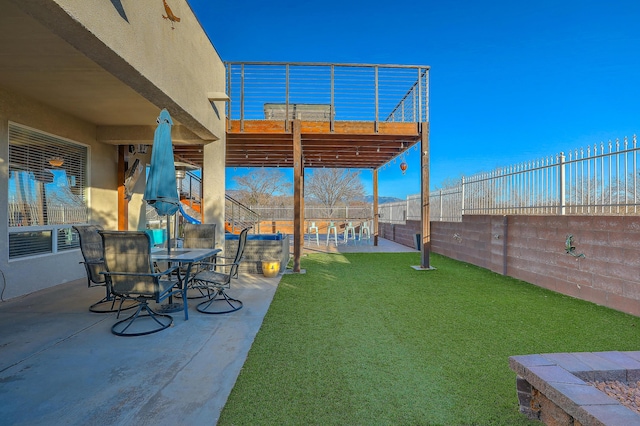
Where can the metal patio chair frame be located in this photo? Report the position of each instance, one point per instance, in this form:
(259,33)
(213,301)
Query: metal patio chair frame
(130,272)
(199,236)
(217,283)
(92,253)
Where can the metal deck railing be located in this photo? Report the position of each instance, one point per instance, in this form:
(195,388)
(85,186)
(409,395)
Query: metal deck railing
(327,92)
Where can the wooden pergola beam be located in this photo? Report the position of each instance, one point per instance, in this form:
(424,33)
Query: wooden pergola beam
(123,203)
(362,145)
(375,207)
(298,196)
(425,247)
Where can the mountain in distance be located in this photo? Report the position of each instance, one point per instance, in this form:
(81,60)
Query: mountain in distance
(382,200)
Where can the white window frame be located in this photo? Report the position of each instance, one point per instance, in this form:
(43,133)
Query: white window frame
(45,230)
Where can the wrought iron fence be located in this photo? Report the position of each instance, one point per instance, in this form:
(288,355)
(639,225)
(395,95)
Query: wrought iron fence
(602,179)
(398,212)
(445,205)
(327,92)
(394,212)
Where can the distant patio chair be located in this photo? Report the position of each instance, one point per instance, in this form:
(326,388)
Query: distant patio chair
(349,233)
(332,229)
(216,283)
(365,231)
(313,230)
(130,271)
(92,252)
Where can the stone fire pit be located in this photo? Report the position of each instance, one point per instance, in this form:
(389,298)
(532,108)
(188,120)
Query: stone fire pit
(554,388)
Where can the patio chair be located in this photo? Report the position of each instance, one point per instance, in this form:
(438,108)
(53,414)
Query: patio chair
(349,233)
(332,229)
(198,236)
(130,272)
(313,230)
(215,282)
(92,252)
(365,231)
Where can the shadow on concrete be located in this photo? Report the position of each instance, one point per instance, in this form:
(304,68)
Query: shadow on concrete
(60,364)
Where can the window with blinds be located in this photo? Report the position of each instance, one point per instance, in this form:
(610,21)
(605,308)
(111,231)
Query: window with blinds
(47,182)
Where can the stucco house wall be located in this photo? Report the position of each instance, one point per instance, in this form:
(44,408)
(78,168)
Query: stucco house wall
(130,48)
(23,276)
(168,66)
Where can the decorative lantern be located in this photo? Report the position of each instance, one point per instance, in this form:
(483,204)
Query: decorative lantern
(403,167)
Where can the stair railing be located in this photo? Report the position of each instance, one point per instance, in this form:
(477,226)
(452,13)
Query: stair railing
(237,216)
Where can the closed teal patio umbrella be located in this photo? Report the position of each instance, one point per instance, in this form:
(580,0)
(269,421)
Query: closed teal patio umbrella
(161,191)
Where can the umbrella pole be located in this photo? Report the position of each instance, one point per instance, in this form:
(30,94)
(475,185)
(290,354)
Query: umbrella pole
(176,234)
(168,235)
(170,306)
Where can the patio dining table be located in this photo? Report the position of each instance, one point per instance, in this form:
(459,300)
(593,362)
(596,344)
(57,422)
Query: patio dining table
(186,257)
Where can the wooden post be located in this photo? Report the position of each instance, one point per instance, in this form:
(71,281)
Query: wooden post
(424,194)
(123,203)
(375,207)
(298,196)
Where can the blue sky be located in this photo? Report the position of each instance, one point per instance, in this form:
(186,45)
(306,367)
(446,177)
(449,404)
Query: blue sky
(509,82)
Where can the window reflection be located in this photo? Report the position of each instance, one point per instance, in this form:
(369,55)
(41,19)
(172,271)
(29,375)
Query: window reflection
(63,206)
(33,203)
(25,199)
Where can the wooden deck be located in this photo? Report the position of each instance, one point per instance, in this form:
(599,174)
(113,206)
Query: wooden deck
(341,144)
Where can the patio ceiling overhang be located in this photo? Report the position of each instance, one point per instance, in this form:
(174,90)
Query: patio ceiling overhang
(49,57)
(268,143)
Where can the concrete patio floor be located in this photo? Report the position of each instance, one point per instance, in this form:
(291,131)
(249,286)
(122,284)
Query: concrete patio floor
(60,364)
(364,246)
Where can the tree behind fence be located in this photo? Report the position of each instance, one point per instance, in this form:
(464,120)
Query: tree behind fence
(334,213)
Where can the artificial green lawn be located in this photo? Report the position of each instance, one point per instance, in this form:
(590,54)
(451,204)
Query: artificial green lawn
(363,339)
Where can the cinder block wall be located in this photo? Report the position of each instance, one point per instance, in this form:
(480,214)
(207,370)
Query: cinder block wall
(480,241)
(533,249)
(401,234)
(256,251)
(609,272)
